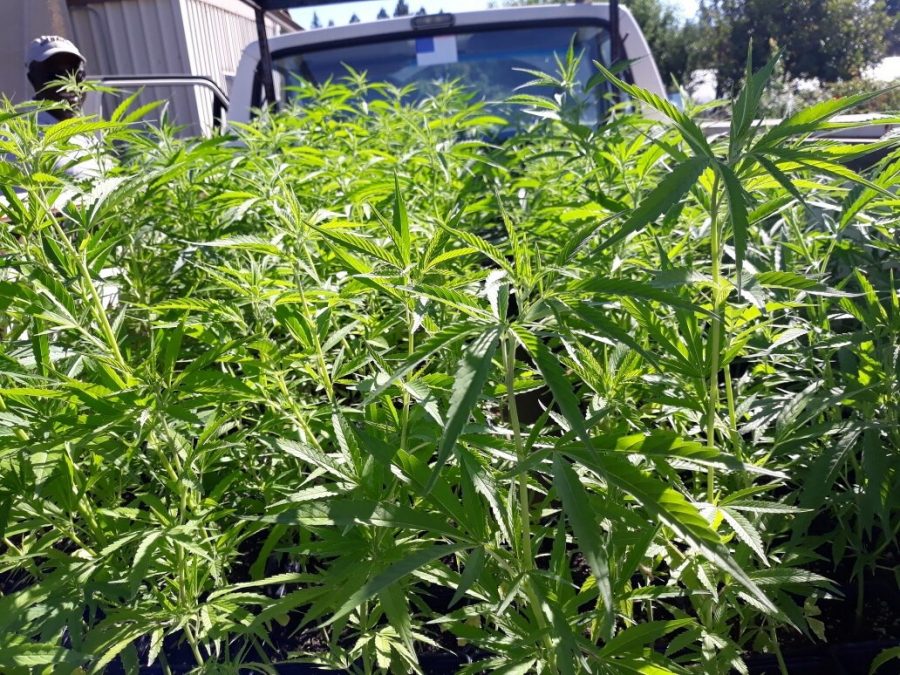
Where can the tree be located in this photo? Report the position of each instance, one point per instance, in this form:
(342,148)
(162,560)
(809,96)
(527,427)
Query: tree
(670,38)
(421,12)
(892,7)
(828,39)
(382,14)
(315,21)
(354,19)
(402,9)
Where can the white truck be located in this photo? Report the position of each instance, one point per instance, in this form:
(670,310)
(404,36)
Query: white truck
(483,49)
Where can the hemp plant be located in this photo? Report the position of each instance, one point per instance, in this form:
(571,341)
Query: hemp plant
(365,381)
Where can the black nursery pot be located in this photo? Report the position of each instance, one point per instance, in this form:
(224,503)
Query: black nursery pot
(432,664)
(853,658)
(844,659)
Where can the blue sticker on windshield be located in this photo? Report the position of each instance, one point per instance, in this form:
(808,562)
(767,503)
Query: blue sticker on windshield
(436,51)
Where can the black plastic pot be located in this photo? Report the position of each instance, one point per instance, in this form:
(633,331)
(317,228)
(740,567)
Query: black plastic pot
(853,658)
(843,659)
(436,664)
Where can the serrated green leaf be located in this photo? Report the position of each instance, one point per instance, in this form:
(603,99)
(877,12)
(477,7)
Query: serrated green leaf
(885,656)
(471,375)
(584,524)
(401,224)
(634,289)
(663,197)
(641,635)
(737,211)
(410,563)
(471,573)
(424,350)
(676,512)
(746,532)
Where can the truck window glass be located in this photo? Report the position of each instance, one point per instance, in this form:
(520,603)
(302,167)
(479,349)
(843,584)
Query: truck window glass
(485,61)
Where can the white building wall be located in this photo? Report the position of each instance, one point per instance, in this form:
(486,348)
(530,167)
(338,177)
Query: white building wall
(166,37)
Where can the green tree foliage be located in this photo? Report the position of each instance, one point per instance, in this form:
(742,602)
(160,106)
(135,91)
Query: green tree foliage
(828,39)
(671,39)
(893,10)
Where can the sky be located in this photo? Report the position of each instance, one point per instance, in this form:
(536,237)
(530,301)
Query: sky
(367,10)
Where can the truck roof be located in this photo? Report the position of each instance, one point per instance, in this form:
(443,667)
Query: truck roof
(269,5)
(483,17)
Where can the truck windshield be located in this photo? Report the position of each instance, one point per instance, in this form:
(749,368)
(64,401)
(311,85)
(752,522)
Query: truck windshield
(485,61)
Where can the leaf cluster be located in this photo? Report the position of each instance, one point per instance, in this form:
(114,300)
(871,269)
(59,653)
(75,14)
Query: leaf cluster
(360,383)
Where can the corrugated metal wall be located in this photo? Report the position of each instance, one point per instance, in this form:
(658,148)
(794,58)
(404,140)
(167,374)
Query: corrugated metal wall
(20,22)
(137,37)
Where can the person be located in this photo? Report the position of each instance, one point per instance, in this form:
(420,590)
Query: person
(52,62)
(50,59)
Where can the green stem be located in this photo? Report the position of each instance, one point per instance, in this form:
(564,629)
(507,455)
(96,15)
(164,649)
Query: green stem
(193,643)
(782,666)
(320,357)
(296,411)
(526,559)
(300,252)
(95,301)
(732,416)
(174,470)
(410,341)
(509,359)
(93,527)
(715,327)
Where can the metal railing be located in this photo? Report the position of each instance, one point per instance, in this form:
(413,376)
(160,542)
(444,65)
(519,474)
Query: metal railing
(220,98)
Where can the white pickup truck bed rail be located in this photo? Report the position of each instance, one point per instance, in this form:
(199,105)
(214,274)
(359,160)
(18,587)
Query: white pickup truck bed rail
(852,134)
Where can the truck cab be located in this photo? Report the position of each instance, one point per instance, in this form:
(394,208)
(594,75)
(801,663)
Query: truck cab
(484,50)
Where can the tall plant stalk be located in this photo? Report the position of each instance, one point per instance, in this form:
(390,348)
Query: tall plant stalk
(526,556)
(95,302)
(715,329)
(524,510)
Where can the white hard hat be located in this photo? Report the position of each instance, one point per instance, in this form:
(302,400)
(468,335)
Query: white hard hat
(42,48)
